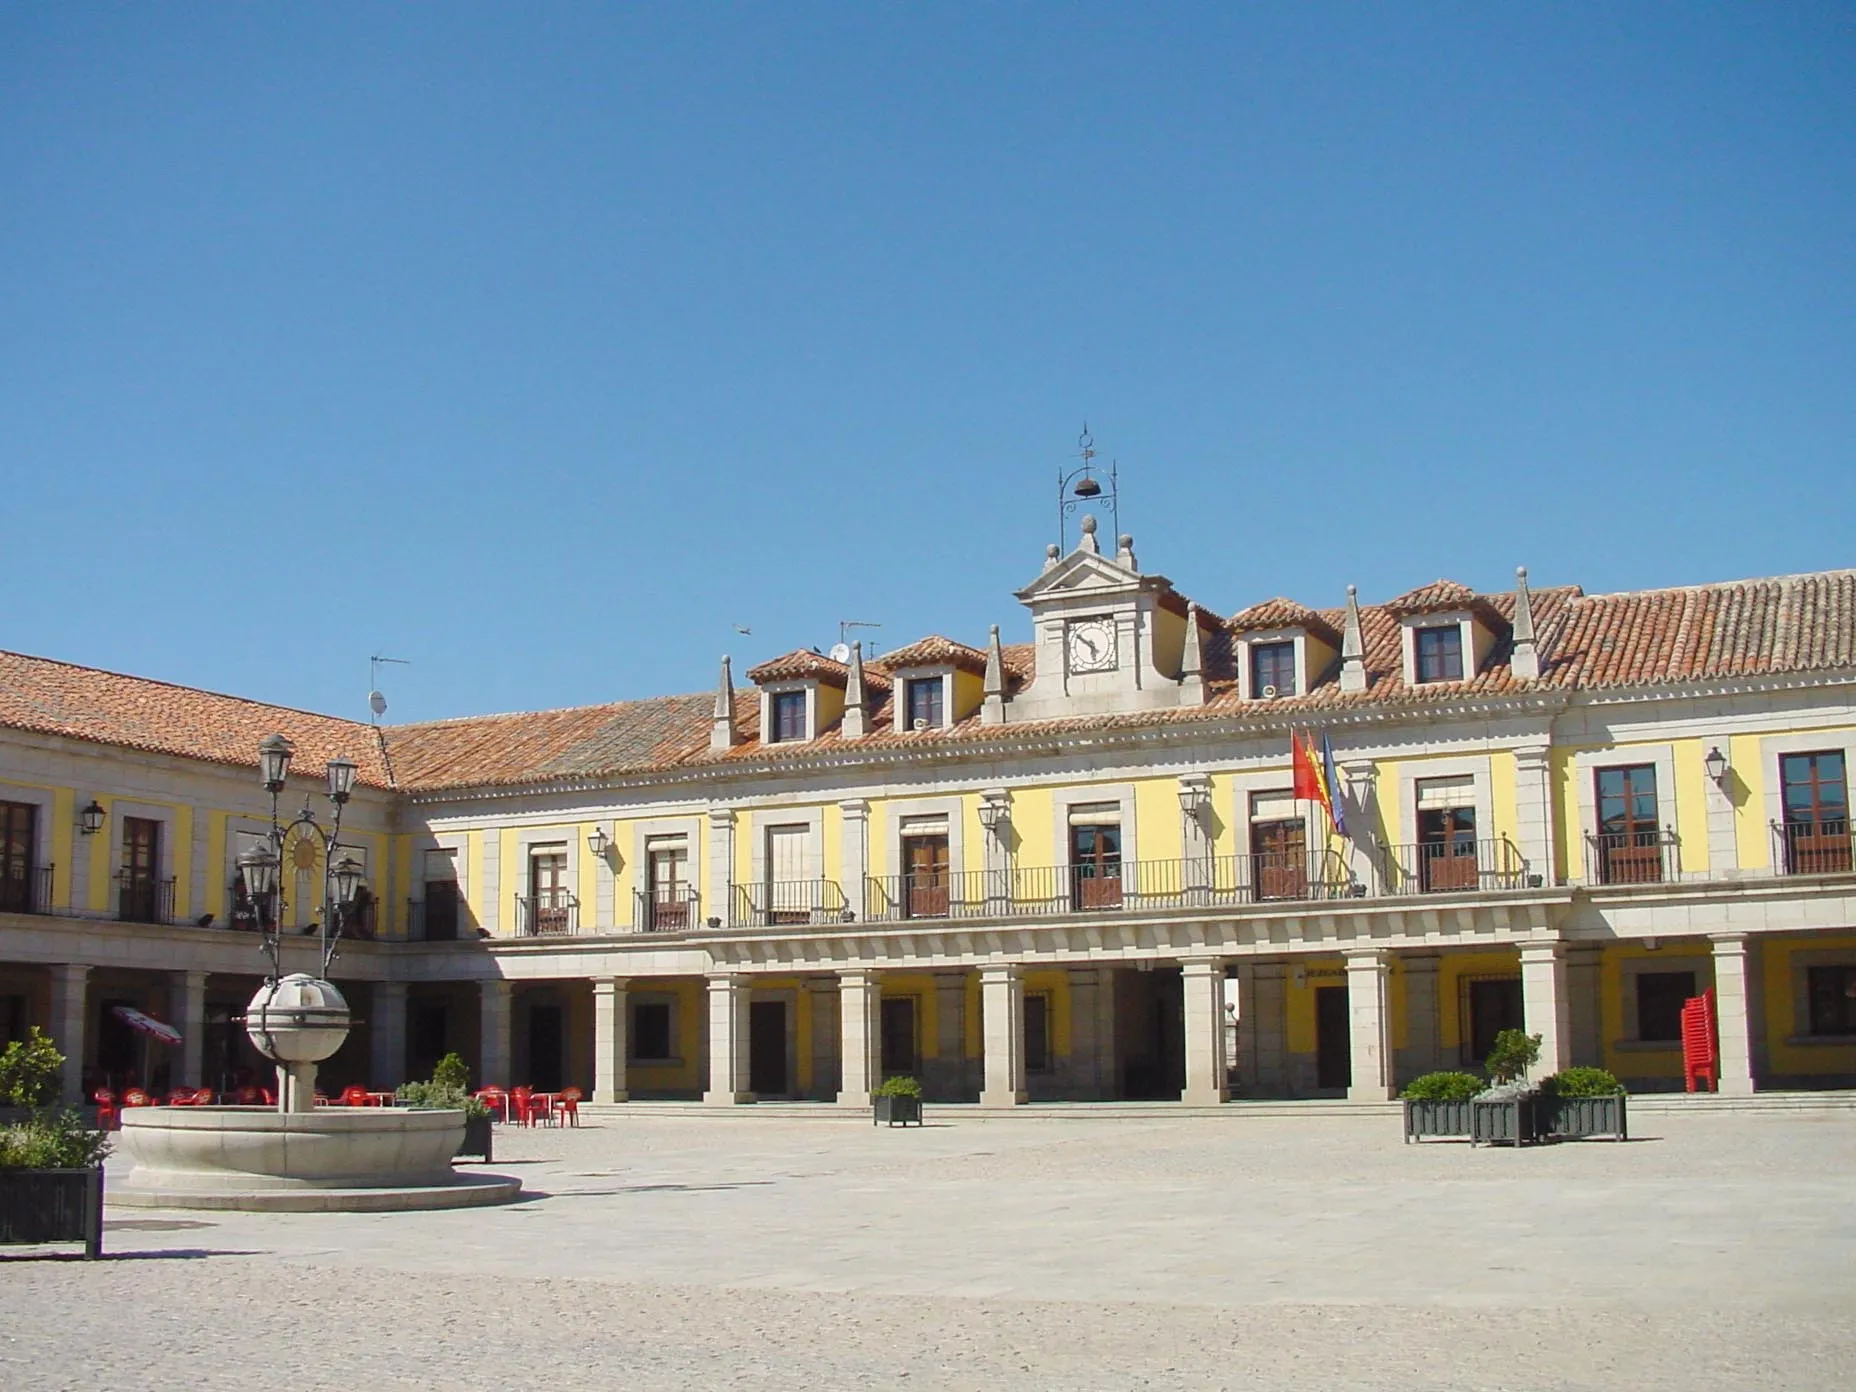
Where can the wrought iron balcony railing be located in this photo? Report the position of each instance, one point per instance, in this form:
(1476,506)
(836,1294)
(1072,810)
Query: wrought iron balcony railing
(143,898)
(26,889)
(1633,857)
(667,909)
(1443,867)
(775,902)
(1821,846)
(553,913)
(433,920)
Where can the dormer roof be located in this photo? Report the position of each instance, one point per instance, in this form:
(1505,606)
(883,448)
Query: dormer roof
(935,651)
(1283,613)
(798,664)
(1444,597)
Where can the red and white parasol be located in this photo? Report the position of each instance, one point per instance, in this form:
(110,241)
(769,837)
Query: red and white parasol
(146,1024)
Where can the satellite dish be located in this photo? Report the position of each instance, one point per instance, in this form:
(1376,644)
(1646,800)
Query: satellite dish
(376,703)
(840,652)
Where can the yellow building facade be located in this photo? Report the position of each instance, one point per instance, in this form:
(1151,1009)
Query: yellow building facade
(1070,869)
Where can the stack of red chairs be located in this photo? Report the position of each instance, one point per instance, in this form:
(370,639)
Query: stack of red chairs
(248,1096)
(1701,1049)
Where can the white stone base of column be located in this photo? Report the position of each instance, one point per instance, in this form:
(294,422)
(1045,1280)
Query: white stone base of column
(1002,1026)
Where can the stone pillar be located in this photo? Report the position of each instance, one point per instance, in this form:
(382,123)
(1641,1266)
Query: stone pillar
(996,850)
(1533,796)
(1263,1028)
(856,856)
(822,1000)
(1423,1018)
(1737,1012)
(1195,792)
(187,994)
(609,1039)
(1546,1006)
(493,1007)
(1203,979)
(1723,844)
(1091,1079)
(69,1010)
(860,1030)
(720,870)
(1367,973)
(1002,1021)
(490,893)
(1585,1011)
(728,1040)
(388,1064)
(950,1029)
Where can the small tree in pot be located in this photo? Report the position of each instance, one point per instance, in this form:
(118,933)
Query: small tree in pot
(1506,1110)
(898,1102)
(51,1163)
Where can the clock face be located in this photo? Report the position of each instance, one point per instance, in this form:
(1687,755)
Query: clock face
(1090,645)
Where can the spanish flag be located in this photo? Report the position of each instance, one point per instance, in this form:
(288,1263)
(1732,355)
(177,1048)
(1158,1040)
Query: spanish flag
(1310,769)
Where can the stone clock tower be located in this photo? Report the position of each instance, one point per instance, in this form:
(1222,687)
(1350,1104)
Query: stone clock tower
(1109,639)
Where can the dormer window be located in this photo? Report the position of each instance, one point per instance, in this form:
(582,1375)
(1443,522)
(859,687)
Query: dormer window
(927,702)
(1272,669)
(801,696)
(937,683)
(787,716)
(1439,653)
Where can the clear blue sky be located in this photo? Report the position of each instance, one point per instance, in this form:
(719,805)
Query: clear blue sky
(541,345)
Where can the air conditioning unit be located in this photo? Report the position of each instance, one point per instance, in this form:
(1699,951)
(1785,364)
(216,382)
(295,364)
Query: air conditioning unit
(1269,693)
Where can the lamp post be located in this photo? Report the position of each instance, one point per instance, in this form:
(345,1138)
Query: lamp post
(297,1020)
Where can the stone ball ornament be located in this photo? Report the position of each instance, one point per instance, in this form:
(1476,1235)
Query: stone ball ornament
(299,1019)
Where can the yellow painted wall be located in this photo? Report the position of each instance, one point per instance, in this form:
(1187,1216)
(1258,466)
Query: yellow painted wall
(1504,821)
(1637,1062)
(1783,1020)
(1451,969)
(64,831)
(1299,999)
(969,693)
(921,986)
(1751,835)
(105,852)
(216,878)
(1056,985)
(1033,825)
(691,1070)
(1691,805)
(1156,814)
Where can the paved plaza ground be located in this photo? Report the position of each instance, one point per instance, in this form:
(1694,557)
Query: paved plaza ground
(772,1250)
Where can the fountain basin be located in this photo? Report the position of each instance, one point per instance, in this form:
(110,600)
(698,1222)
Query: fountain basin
(332,1158)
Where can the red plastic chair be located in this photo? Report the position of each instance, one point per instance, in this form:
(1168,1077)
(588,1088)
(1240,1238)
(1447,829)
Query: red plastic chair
(203,1097)
(268,1097)
(496,1100)
(354,1095)
(248,1097)
(526,1106)
(109,1117)
(135,1097)
(567,1105)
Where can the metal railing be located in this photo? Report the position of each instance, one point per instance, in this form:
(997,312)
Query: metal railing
(429,920)
(666,910)
(1444,867)
(143,898)
(1821,846)
(1633,857)
(776,902)
(550,914)
(26,889)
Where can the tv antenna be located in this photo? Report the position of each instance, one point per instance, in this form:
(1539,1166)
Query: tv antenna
(844,637)
(375,701)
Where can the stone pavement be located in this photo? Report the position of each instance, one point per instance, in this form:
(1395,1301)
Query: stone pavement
(1232,1250)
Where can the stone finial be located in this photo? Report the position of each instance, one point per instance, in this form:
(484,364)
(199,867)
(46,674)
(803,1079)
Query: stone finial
(1352,646)
(1192,663)
(855,703)
(992,708)
(1052,554)
(1089,543)
(1124,552)
(1525,659)
(722,726)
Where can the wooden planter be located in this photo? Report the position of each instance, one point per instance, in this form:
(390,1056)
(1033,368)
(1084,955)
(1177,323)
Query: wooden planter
(52,1206)
(1435,1117)
(1576,1118)
(476,1140)
(897,1111)
(1509,1120)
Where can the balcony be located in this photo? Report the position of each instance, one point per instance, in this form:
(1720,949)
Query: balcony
(26,890)
(1633,857)
(667,909)
(552,914)
(432,920)
(143,898)
(1453,867)
(1818,847)
(774,903)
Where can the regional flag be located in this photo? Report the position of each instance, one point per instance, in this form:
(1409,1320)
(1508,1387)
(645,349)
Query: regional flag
(1336,814)
(1313,774)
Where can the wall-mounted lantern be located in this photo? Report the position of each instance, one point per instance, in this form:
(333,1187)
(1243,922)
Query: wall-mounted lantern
(598,842)
(1195,795)
(1715,764)
(90,820)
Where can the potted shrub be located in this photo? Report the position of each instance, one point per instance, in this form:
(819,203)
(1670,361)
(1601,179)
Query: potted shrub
(450,1089)
(1437,1104)
(1582,1102)
(51,1162)
(898,1102)
(1507,1109)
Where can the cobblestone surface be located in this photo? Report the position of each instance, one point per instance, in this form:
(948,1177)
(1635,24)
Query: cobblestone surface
(744,1251)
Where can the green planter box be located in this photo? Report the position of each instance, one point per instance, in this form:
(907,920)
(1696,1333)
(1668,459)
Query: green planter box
(52,1206)
(897,1111)
(1506,1120)
(1576,1118)
(476,1140)
(1435,1117)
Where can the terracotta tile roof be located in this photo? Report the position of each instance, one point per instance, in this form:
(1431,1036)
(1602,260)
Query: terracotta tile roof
(87,703)
(933,651)
(1440,597)
(1284,613)
(802,662)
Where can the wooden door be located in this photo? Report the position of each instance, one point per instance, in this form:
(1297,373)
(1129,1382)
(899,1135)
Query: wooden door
(16,856)
(141,868)
(1095,865)
(1629,833)
(790,891)
(1279,859)
(1333,1038)
(670,904)
(767,1049)
(1817,813)
(1447,848)
(548,901)
(925,865)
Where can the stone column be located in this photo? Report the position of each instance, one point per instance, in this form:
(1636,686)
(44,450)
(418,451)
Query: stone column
(1546,1006)
(69,1010)
(1585,1011)
(187,994)
(1203,979)
(1533,796)
(1195,791)
(490,893)
(1263,1028)
(493,1011)
(388,1064)
(1723,844)
(720,870)
(822,999)
(1423,1018)
(860,1026)
(995,850)
(1737,1012)
(728,1040)
(950,1029)
(1367,973)
(609,1039)
(1002,1020)
(1087,1074)
(856,855)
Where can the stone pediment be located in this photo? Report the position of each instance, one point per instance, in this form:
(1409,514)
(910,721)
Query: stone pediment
(1088,573)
